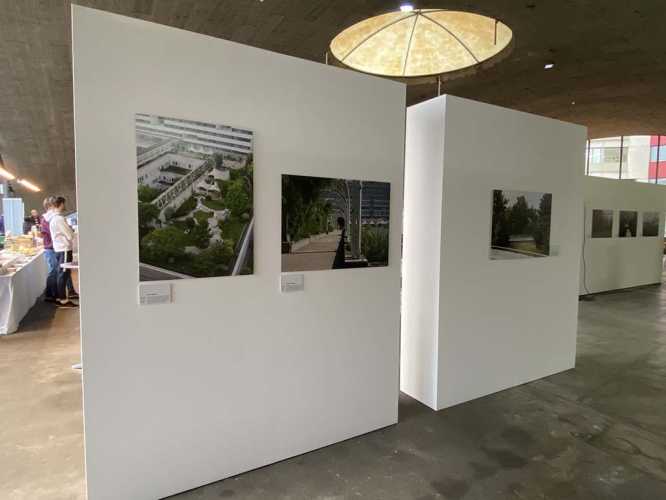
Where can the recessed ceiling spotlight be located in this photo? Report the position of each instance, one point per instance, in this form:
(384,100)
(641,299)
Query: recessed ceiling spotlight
(549,66)
(407,7)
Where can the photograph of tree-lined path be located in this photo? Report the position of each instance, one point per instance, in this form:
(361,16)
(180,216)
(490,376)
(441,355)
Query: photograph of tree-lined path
(520,224)
(195,200)
(334,223)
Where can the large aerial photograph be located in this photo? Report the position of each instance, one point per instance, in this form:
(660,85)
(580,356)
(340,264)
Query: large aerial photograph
(334,223)
(195,198)
(520,224)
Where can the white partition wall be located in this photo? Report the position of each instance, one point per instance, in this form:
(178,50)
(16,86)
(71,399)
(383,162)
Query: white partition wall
(612,263)
(233,374)
(471,325)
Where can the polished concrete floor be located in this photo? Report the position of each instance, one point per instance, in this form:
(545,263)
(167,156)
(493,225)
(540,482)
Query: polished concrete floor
(595,432)
(41,421)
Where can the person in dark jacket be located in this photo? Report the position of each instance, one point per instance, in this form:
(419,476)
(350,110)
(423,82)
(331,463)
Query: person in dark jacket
(339,261)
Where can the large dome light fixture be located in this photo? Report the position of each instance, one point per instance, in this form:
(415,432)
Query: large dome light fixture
(421,42)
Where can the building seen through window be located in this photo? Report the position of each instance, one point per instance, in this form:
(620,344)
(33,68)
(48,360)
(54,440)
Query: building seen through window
(638,157)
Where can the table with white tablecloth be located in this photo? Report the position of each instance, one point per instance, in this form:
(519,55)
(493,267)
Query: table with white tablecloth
(19,291)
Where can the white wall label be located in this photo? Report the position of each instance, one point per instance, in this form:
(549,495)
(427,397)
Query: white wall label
(154,293)
(292,283)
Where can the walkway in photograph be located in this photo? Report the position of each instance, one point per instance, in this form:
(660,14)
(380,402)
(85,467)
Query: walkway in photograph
(318,254)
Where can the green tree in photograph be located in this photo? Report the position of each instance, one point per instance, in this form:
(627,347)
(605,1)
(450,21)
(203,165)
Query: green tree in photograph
(164,247)
(374,244)
(148,216)
(199,235)
(541,230)
(186,207)
(232,230)
(520,216)
(216,260)
(237,198)
(147,193)
(301,216)
(501,228)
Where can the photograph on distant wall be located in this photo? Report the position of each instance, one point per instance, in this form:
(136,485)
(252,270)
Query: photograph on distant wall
(195,198)
(650,224)
(334,223)
(602,223)
(628,224)
(520,224)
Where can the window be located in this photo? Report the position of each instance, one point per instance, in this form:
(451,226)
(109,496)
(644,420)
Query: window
(661,150)
(628,157)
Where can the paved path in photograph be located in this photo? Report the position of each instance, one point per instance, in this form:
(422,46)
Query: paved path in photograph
(315,255)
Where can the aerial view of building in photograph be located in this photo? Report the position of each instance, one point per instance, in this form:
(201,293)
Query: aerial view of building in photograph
(520,224)
(334,223)
(195,183)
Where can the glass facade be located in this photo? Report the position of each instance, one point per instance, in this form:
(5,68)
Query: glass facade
(638,157)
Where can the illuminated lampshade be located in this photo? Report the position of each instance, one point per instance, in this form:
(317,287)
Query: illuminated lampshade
(420,42)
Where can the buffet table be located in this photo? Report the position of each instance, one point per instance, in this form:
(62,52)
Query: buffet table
(19,290)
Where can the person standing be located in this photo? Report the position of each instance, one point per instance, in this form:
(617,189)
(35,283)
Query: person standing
(62,236)
(339,260)
(51,292)
(35,217)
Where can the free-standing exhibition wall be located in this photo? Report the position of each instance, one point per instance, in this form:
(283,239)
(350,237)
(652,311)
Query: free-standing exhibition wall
(477,319)
(617,255)
(231,375)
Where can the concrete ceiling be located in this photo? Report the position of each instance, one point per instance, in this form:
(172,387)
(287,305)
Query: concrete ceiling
(609,60)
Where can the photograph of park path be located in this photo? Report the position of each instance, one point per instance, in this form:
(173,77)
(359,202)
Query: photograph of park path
(334,223)
(195,199)
(520,224)
(650,224)
(628,224)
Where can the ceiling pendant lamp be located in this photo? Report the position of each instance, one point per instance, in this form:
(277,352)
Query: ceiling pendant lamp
(420,42)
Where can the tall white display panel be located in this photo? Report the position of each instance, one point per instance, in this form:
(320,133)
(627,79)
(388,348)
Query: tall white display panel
(472,326)
(13,211)
(611,261)
(233,374)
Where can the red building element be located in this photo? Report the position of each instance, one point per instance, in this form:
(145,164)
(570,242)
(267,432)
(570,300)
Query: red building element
(657,168)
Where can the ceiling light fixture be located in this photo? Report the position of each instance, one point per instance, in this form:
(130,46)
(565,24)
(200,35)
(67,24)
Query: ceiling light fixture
(411,43)
(549,66)
(29,185)
(6,174)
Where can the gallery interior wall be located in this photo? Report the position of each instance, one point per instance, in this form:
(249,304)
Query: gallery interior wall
(233,374)
(616,263)
(492,324)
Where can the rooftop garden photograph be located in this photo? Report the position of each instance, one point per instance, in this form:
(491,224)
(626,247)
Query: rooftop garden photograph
(195,206)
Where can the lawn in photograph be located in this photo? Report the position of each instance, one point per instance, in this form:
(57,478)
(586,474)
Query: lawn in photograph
(650,224)
(195,198)
(520,224)
(628,224)
(602,223)
(334,223)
